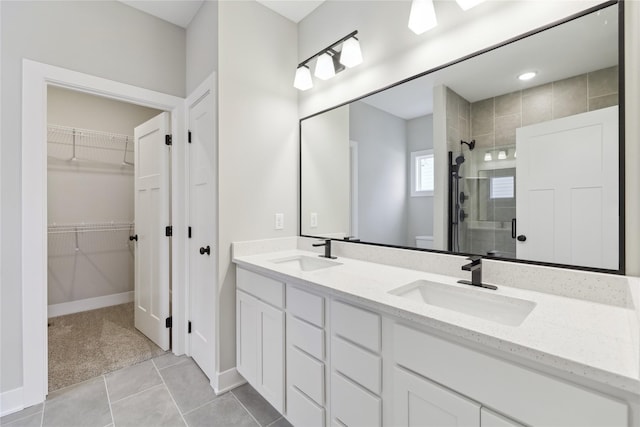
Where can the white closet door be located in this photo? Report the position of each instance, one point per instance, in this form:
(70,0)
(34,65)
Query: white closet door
(567,190)
(203,232)
(152,207)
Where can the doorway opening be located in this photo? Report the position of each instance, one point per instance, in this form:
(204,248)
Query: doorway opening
(93,246)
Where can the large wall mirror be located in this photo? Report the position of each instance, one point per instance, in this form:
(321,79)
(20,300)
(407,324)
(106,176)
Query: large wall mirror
(476,158)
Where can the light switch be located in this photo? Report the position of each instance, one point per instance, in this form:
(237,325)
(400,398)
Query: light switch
(314,220)
(279,223)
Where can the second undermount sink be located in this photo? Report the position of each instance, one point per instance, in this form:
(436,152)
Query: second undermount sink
(305,263)
(473,302)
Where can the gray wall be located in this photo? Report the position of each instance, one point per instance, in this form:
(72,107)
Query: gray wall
(382,174)
(326,173)
(258,141)
(420,209)
(106,39)
(202,45)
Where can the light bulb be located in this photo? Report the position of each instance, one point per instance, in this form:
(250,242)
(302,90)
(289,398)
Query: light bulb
(468,4)
(303,80)
(502,154)
(487,157)
(351,54)
(324,67)
(422,16)
(527,76)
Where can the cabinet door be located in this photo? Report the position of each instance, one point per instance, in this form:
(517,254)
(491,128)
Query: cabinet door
(419,402)
(271,355)
(247,311)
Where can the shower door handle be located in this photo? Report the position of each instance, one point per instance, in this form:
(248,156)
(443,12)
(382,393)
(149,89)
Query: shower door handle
(513,228)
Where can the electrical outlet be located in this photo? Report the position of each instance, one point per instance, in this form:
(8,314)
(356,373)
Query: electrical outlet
(279,223)
(314,220)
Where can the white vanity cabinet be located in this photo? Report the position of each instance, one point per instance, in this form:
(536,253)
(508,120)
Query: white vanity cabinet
(260,334)
(306,374)
(356,366)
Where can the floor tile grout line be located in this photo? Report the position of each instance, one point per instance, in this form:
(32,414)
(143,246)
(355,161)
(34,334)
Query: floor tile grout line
(106,387)
(186,359)
(245,408)
(141,391)
(22,418)
(171,395)
(275,421)
(203,405)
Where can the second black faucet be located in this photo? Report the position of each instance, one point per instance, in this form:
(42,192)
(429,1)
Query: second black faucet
(327,248)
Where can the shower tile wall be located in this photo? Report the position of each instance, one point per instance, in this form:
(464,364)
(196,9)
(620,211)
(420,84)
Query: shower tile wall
(494,120)
(458,128)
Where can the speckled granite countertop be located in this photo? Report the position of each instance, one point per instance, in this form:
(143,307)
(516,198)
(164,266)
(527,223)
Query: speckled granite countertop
(596,341)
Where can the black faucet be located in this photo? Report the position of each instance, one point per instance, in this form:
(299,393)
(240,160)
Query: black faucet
(475,267)
(327,248)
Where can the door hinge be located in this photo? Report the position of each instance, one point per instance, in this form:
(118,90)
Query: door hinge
(189,232)
(168,231)
(189,328)
(168,322)
(168,140)
(189,137)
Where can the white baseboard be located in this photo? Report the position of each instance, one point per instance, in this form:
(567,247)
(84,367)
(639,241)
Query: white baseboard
(228,380)
(88,304)
(11,401)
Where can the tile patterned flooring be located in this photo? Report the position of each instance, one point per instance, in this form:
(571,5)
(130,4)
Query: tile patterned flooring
(166,391)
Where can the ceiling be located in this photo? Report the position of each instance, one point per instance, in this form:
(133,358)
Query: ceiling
(181,12)
(574,48)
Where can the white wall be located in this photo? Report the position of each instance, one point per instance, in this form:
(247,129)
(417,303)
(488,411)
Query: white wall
(107,39)
(326,173)
(258,140)
(419,209)
(94,264)
(382,174)
(202,44)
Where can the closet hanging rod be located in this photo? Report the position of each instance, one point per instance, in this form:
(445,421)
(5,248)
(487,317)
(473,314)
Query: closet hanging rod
(90,227)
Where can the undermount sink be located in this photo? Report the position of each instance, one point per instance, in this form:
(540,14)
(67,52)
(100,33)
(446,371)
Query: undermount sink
(305,263)
(496,308)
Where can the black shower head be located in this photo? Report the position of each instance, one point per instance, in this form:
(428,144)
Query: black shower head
(471,144)
(459,160)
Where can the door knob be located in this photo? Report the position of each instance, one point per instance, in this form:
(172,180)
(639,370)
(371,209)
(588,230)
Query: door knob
(522,238)
(206,250)
(134,237)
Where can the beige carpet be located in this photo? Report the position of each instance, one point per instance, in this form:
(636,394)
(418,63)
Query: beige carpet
(88,344)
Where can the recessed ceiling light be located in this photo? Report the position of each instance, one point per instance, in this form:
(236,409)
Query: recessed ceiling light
(527,76)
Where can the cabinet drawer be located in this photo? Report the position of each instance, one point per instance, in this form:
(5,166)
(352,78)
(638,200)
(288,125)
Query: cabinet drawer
(513,388)
(264,288)
(306,373)
(306,337)
(357,325)
(351,405)
(305,305)
(301,411)
(357,364)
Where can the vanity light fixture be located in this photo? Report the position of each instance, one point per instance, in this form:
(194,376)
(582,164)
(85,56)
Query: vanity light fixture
(303,78)
(324,67)
(468,4)
(487,156)
(502,155)
(422,16)
(345,53)
(527,76)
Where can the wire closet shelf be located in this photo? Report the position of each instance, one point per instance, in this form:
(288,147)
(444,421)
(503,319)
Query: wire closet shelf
(90,227)
(73,144)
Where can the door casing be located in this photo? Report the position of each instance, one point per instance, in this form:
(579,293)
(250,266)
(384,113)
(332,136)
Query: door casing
(35,79)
